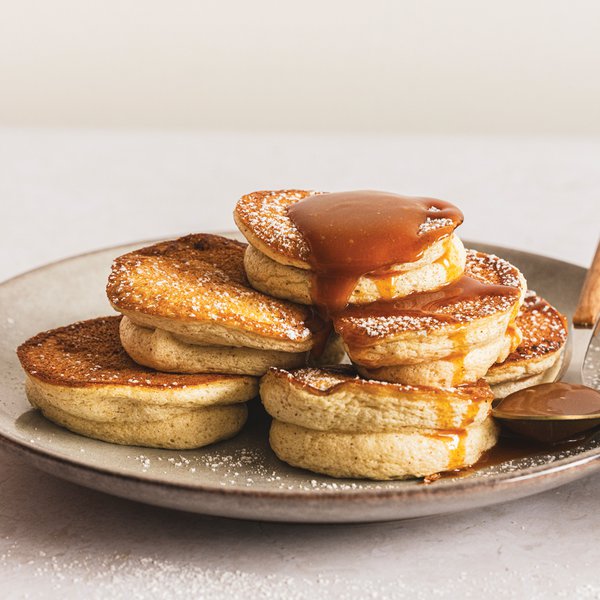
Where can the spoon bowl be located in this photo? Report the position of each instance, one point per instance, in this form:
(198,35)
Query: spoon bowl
(550,412)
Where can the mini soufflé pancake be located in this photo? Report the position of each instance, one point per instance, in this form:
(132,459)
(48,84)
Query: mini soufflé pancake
(441,338)
(537,358)
(80,377)
(280,260)
(190,308)
(404,454)
(334,422)
(337,399)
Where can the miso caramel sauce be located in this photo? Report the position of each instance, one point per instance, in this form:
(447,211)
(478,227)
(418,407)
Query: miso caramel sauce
(351,234)
(428,304)
(570,410)
(551,401)
(509,447)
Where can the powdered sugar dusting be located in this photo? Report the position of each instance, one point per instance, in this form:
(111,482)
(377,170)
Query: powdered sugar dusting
(329,379)
(201,278)
(484,267)
(264,216)
(544,329)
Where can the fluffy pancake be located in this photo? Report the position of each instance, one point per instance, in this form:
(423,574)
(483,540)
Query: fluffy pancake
(544,334)
(81,378)
(336,399)
(196,288)
(455,340)
(404,454)
(505,388)
(263,219)
(278,261)
(293,283)
(538,357)
(467,365)
(162,350)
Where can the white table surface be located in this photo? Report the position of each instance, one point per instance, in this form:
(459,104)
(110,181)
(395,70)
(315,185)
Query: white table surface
(63,193)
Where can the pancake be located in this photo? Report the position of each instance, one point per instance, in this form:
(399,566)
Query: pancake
(294,284)
(407,453)
(505,388)
(80,377)
(538,357)
(544,335)
(337,399)
(195,288)
(278,261)
(442,338)
(163,351)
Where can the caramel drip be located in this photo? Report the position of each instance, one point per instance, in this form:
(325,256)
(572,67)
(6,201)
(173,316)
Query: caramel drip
(446,413)
(470,414)
(507,449)
(459,340)
(513,330)
(352,234)
(385,287)
(384,279)
(426,304)
(452,268)
(455,440)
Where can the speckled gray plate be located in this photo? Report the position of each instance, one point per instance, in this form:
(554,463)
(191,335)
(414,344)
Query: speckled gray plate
(242,478)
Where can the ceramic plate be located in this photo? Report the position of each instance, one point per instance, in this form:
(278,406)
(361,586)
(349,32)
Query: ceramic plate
(241,477)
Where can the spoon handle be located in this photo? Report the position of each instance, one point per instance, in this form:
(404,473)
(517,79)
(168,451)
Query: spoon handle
(588,306)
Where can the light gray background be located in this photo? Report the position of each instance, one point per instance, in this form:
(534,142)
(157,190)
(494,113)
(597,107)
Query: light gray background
(69,192)
(466,66)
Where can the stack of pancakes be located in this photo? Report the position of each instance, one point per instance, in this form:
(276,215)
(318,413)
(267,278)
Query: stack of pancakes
(203,318)
(176,369)
(422,336)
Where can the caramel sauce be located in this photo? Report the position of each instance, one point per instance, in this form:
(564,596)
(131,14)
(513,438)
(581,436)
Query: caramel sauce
(513,330)
(508,448)
(455,440)
(547,400)
(385,287)
(352,234)
(452,268)
(558,399)
(425,304)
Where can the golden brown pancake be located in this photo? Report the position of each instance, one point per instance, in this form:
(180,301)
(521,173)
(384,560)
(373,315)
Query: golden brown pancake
(331,421)
(196,288)
(81,378)
(441,338)
(263,219)
(280,259)
(338,399)
(544,335)
(403,454)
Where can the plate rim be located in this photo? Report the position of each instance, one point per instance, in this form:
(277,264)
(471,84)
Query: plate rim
(588,460)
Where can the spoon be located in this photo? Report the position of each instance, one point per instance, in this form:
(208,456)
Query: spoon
(553,412)
(550,412)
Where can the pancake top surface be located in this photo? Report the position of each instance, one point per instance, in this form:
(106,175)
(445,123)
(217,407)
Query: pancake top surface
(89,353)
(382,320)
(200,278)
(328,380)
(544,330)
(263,218)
